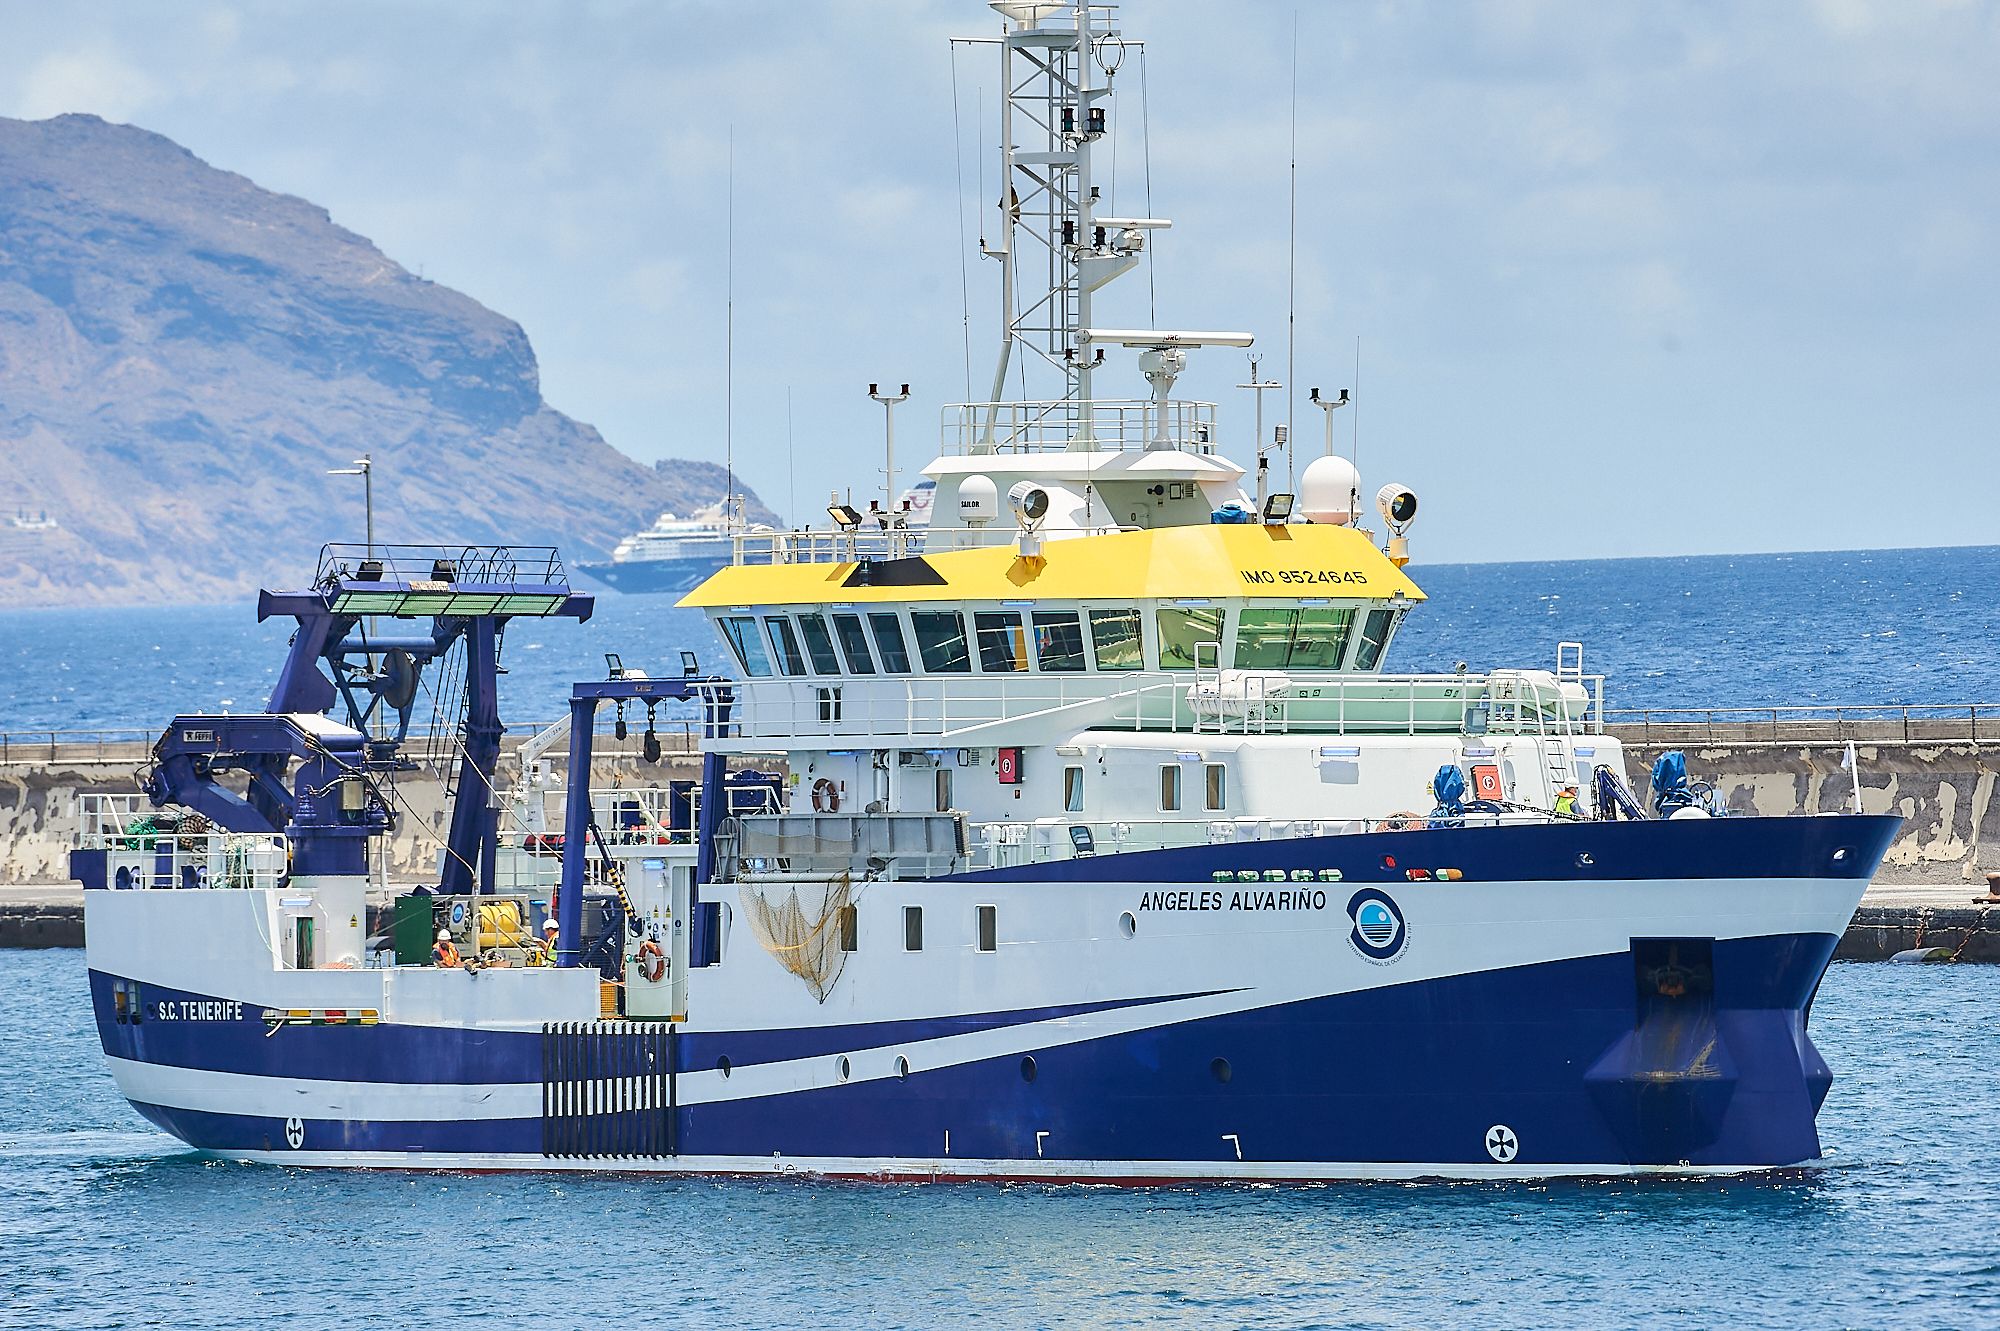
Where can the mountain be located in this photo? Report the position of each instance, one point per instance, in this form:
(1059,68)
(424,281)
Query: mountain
(184,355)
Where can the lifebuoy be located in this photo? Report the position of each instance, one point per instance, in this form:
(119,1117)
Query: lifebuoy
(1405,821)
(825,796)
(658,965)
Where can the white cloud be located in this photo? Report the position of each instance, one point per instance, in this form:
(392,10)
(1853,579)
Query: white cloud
(1654,300)
(1946,240)
(223,26)
(91,79)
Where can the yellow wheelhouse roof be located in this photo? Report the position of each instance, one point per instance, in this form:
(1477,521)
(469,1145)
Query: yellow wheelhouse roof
(1172,562)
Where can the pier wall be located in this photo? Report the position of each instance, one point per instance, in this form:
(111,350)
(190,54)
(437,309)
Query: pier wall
(42,798)
(1945,792)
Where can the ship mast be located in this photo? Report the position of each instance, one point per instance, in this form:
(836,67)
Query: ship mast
(1058,62)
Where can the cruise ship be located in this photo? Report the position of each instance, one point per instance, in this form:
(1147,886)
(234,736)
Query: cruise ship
(1090,836)
(673,555)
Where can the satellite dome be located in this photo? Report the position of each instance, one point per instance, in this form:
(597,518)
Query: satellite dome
(978,500)
(1330,491)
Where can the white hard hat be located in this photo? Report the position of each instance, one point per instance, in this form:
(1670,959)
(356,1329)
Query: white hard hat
(549,923)
(444,935)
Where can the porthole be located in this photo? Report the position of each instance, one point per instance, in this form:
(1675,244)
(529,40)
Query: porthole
(1028,1068)
(722,1065)
(1843,855)
(902,1066)
(845,1068)
(1128,924)
(1220,1070)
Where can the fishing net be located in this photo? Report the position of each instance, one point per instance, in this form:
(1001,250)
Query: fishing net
(802,929)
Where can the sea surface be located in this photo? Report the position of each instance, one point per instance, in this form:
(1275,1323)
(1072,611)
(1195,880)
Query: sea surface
(1724,631)
(109,1223)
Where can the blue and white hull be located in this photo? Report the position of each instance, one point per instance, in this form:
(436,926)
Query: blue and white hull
(1595,998)
(674,576)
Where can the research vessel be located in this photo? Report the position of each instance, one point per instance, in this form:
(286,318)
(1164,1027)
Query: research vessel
(1090,839)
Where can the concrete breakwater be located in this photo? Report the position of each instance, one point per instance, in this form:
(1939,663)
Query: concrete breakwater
(44,792)
(1885,927)
(1943,789)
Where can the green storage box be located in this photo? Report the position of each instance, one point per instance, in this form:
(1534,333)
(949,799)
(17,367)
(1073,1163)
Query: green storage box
(412,931)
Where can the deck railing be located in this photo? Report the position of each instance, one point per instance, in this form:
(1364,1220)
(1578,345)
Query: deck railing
(679,736)
(453,565)
(872,541)
(1915,723)
(190,854)
(975,709)
(1107,424)
(1003,845)
(19,747)
(1651,727)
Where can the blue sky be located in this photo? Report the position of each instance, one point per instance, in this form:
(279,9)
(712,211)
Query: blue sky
(1628,279)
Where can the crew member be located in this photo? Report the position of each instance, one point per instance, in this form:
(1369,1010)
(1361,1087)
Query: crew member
(549,934)
(446,952)
(1566,802)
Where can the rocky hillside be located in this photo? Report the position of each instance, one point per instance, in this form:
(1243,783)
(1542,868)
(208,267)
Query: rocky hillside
(183,355)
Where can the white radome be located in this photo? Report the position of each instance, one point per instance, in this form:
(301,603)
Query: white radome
(1330,491)
(978,500)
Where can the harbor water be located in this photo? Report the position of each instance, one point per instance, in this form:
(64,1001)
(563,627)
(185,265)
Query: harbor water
(112,1224)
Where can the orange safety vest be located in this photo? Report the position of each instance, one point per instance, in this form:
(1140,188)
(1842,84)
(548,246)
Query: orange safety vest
(445,954)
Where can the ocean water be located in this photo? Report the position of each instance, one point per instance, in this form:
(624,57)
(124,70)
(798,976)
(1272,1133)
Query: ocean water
(1852,627)
(109,1223)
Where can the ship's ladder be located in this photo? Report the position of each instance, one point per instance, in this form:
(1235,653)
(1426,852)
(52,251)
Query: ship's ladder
(1208,683)
(1560,764)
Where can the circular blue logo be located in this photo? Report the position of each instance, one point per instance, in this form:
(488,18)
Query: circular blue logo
(1379,931)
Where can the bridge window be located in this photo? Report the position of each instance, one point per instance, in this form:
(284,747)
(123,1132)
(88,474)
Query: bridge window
(1058,641)
(1309,638)
(889,644)
(741,633)
(1182,628)
(819,645)
(941,641)
(1114,639)
(1170,787)
(1003,648)
(786,644)
(853,644)
(1374,638)
(1215,780)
